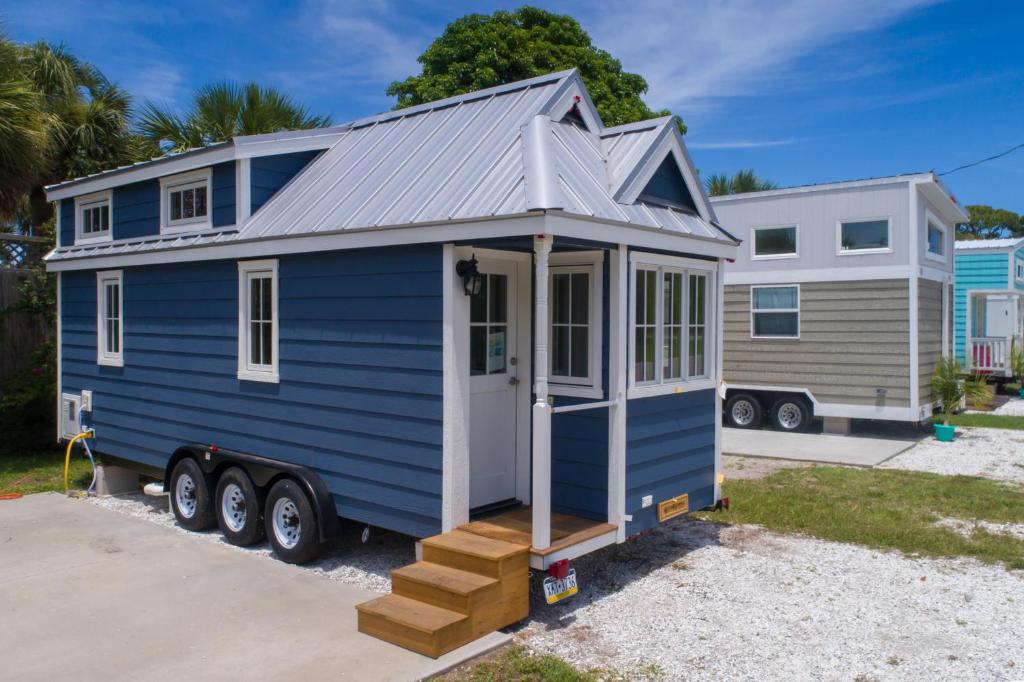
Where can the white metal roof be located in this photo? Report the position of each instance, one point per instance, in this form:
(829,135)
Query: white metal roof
(976,244)
(498,152)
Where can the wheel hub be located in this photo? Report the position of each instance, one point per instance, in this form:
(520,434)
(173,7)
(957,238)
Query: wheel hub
(743,413)
(233,507)
(185,496)
(287,524)
(790,416)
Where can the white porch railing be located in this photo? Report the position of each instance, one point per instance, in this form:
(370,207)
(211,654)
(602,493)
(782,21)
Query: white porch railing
(989,354)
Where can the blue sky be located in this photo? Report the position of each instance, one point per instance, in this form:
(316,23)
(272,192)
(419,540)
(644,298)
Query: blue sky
(800,90)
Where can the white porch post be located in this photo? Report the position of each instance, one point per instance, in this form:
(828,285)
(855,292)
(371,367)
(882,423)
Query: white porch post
(618,317)
(541,409)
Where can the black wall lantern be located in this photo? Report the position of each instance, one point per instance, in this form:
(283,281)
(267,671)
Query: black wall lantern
(472,280)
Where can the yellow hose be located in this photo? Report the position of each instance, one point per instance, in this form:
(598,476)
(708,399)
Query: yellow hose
(67,458)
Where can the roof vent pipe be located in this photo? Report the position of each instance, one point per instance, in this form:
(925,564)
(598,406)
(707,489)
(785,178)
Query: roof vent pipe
(541,176)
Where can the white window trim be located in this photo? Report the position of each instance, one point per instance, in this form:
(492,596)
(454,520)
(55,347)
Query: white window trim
(89,201)
(102,280)
(862,252)
(780,256)
(172,182)
(1018,266)
(247,371)
(641,260)
(591,262)
(931,220)
(776,310)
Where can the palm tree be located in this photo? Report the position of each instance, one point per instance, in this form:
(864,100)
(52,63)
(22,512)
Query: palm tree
(221,111)
(24,131)
(743,181)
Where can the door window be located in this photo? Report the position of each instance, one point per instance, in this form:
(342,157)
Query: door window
(488,327)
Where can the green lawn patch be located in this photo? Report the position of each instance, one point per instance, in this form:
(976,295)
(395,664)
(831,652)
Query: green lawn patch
(987,421)
(519,664)
(41,472)
(884,509)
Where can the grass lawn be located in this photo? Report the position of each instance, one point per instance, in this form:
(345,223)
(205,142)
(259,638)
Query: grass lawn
(518,664)
(885,509)
(40,472)
(987,421)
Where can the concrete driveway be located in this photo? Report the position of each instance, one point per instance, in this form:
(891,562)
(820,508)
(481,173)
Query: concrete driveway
(812,447)
(95,595)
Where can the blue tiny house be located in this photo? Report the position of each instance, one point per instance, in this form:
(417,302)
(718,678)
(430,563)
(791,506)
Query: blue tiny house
(989,304)
(357,308)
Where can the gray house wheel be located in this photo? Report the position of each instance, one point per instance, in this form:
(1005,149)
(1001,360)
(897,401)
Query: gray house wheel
(190,496)
(291,523)
(791,414)
(239,505)
(743,412)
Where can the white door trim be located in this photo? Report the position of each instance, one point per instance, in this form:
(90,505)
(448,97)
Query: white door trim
(455,397)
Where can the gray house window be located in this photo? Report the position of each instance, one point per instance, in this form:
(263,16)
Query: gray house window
(775,242)
(863,236)
(775,312)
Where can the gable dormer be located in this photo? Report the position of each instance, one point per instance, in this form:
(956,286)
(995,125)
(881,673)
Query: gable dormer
(667,187)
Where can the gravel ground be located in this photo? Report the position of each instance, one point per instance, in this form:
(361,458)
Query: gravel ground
(1014,407)
(993,453)
(695,601)
(346,559)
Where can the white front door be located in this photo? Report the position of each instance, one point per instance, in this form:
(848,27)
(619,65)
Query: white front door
(998,316)
(493,384)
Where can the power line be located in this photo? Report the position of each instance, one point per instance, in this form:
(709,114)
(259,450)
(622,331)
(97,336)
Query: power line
(970,165)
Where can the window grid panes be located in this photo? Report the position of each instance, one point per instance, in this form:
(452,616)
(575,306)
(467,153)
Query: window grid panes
(775,312)
(645,341)
(698,326)
(261,319)
(775,241)
(670,312)
(570,325)
(672,325)
(936,243)
(864,235)
(95,219)
(187,203)
(112,318)
(488,327)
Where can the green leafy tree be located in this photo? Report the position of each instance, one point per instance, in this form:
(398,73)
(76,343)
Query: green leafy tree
(481,51)
(221,111)
(990,223)
(743,181)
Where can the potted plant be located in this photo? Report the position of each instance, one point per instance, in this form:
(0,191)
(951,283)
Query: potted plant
(951,387)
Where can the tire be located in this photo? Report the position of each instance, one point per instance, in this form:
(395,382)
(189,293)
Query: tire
(791,415)
(743,411)
(190,496)
(239,506)
(291,523)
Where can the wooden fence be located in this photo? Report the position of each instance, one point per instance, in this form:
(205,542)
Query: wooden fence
(20,332)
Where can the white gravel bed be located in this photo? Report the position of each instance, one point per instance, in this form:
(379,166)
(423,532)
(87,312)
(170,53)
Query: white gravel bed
(696,601)
(966,527)
(345,559)
(1012,408)
(992,453)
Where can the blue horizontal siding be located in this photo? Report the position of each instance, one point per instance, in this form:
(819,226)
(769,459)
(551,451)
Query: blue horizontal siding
(223,191)
(974,271)
(359,399)
(67,223)
(136,210)
(271,173)
(670,450)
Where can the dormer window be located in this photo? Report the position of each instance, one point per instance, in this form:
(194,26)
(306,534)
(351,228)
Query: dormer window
(92,222)
(185,201)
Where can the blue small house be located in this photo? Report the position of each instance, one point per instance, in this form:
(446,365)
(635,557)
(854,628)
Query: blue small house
(989,304)
(489,314)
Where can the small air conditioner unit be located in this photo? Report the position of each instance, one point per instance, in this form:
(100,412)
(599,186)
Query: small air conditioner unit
(70,420)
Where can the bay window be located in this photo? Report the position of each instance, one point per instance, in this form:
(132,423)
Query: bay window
(671,320)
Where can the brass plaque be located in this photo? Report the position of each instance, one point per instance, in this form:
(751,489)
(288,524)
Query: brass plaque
(674,507)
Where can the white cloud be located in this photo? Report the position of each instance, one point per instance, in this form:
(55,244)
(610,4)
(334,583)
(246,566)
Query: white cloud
(741,144)
(694,52)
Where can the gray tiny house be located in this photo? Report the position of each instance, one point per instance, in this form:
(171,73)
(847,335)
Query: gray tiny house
(839,303)
(488,319)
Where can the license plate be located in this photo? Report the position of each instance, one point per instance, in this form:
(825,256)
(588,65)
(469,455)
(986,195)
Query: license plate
(556,590)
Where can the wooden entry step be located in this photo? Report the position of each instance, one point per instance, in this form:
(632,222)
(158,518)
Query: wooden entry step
(465,587)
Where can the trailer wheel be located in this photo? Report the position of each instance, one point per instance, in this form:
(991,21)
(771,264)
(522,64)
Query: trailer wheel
(790,414)
(291,523)
(743,411)
(190,496)
(239,505)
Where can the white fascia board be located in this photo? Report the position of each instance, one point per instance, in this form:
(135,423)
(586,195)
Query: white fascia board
(819,275)
(807,189)
(563,100)
(935,274)
(595,229)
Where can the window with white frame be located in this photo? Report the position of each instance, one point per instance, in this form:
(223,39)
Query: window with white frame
(936,241)
(575,319)
(863,236)
(1020,270)
(672,300)
(109,318)
(775,312)
(257,321)
(185,201)
(774,242)
(92,219)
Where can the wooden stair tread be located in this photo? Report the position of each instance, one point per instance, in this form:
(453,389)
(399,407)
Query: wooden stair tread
(411,613)
(576,538)
(445,577)
(476,545)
